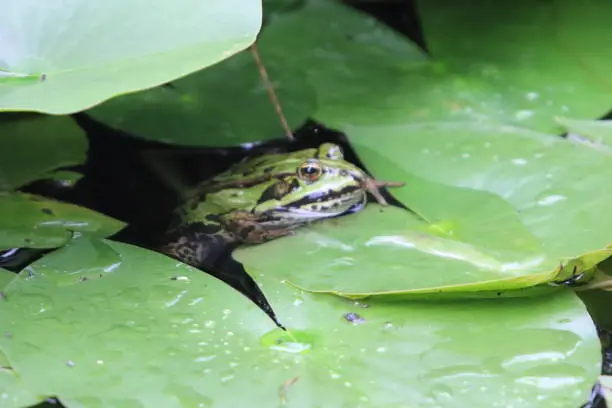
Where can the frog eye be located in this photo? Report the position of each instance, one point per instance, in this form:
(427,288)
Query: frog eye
(309,171)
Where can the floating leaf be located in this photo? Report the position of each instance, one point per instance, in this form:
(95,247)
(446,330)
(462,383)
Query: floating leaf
(188,339)
(387,252)
(5,277)
(209,107)
(32,146)
(32,221)
(85,63)
(484,65)
(554,185)
(598,132)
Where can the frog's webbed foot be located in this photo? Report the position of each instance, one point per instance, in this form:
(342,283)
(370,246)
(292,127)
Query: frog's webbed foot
(194,246)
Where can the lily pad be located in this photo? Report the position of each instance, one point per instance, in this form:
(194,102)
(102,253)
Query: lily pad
(181,338)
(86,63)
(387,252)
(32,146)
(5,277)
(13,392)
(208,107)
(31,221)
(598,132)
(556,187)
(484,65)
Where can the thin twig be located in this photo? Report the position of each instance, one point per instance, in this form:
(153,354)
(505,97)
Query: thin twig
(266,80)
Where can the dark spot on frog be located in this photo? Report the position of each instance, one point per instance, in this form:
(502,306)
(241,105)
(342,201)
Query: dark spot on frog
(248,172)
(499,293)
(246,231)
(27,241)
(83,278)
(343,173)
(354,318)
(276,191)
(2,296)
(47,211)
(268,169)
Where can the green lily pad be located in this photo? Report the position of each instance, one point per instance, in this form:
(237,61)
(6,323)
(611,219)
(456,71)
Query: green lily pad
(31,221)
(598,132)
(86,63)
(556,187)
(388,252)
(208,107)
(485,64)
(32,146)
(13,394)
(5,277)
(181,338)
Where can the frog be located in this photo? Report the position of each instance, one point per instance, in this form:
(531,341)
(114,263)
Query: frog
(266,197)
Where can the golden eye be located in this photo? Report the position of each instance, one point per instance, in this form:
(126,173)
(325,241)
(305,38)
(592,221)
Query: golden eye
(309,171)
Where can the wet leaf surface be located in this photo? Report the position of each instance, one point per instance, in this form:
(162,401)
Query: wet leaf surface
(86,63)
(31,147)
(145,337)
(208,108)
(387,251)
(556,187)
(597,133)
(364,73)
(31,221)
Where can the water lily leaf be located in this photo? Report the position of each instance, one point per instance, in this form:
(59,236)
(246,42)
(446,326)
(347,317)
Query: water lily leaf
(598,132)
(344,257)
(31,221)
(86,63)
(188,339)
(554,185)
(485,65)
(13,392)
(32,146)
(209,107)
(5,277)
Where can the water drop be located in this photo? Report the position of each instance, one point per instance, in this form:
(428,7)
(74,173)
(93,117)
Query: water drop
(381,349)
(465,155)
(227,378)
(523,114)
(334,375)
(203,359)
(294,341)
(519,162)
(551,199)
(532,96)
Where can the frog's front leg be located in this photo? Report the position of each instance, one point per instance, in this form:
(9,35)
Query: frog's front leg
(246,228)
